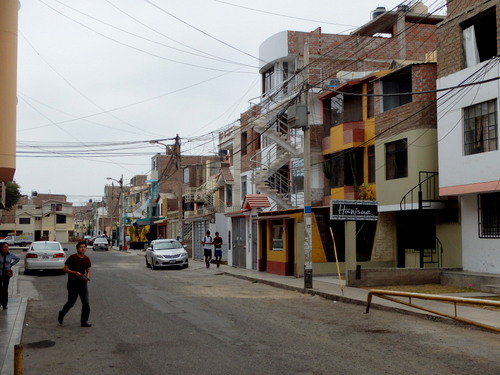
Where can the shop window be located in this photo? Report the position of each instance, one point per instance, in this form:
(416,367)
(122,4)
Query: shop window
(489,215)
(480,128)
(396,159)
(480,38)
(24,220)
(398,83)
(278,235)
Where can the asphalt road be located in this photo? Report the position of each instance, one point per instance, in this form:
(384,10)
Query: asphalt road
(198,321)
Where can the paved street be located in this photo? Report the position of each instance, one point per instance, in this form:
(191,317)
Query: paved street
(198,321)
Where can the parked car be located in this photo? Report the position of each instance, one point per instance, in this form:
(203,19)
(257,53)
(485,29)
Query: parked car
(87,238)
(100,243)
(166,253)
(44,255)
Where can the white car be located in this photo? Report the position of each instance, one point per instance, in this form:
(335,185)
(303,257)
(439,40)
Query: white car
(100,243)
(166,253)
(44,255)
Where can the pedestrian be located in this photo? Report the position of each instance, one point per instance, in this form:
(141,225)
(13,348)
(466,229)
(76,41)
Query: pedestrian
(207,248)
(7,260)
(218,248)
(77,266)
(127,240)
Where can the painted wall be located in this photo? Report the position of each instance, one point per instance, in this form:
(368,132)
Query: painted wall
(479,254)
(422,156)
(459,174)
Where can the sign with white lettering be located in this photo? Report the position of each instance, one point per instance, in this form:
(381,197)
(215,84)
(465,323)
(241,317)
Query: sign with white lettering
(353,210)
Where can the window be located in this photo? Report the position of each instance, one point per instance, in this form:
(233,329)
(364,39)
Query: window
(353,107)
(267,80)
(244,142)
(480,128)
(278,235)
(333,110)
(185,175)
(371,164)
(396,159)
(489,215)
(229,195)
(243,186)
(370,107)
(480,38)
(395,84)
(56,207)
(24,220)
(60,219)
(347,168)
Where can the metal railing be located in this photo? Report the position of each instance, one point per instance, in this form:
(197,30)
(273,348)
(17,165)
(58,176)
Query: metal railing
(425,191)
(455,300)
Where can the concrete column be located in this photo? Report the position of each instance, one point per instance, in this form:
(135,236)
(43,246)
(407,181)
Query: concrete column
(8,87)
(350,248)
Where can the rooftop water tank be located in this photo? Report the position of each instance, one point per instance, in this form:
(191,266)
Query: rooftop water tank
(377,12)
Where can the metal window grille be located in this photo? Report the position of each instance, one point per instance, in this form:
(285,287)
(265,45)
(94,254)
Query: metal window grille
(489,215)
(480,128)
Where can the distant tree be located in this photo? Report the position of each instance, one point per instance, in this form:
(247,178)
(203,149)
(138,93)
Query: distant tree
(12,194)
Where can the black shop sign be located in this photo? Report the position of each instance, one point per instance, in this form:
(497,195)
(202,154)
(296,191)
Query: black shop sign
(353,210)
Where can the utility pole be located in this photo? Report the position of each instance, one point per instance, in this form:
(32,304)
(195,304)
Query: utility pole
(179,192)
(308,264)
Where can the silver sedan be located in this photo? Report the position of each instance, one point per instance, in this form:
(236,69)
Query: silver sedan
(44,255)
(166,253)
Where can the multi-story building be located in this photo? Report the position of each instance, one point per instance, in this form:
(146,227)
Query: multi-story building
(295,68)
(45,216)
(467,112)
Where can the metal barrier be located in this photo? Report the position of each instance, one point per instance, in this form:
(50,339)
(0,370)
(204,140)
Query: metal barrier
(471,301)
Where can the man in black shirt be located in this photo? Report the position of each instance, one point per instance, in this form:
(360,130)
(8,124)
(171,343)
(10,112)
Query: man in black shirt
(77,266)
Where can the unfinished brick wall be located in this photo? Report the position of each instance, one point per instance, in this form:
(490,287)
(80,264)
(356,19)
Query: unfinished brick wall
(449,33)
(331,53)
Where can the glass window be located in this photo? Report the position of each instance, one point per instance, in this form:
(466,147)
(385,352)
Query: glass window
(278,235)
(396,159)
(24,220)
(480,128)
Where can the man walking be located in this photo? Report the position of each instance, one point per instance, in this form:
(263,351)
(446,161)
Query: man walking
(77,266)
(7,260)
(207,248)
(218,248)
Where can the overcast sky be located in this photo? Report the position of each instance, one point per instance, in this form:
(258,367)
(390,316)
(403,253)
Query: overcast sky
(97,79)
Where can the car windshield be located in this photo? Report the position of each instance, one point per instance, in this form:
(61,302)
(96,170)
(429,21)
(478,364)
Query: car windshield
(46,246)
(167,245)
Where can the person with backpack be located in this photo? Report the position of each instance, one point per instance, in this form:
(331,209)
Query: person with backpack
(207,248)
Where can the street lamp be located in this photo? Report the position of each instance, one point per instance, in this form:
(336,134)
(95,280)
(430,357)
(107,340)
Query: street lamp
(121,233)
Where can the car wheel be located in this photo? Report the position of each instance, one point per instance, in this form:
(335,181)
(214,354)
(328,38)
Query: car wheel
(27,272)
(23,244)
(147,264)
(185,265)
(153,267)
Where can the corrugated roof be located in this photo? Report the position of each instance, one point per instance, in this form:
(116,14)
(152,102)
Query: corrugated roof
(255,201)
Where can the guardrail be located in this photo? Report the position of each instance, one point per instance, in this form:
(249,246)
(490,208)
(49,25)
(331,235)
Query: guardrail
(471,301)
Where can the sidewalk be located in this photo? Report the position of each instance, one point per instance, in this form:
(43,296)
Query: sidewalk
(11,326)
